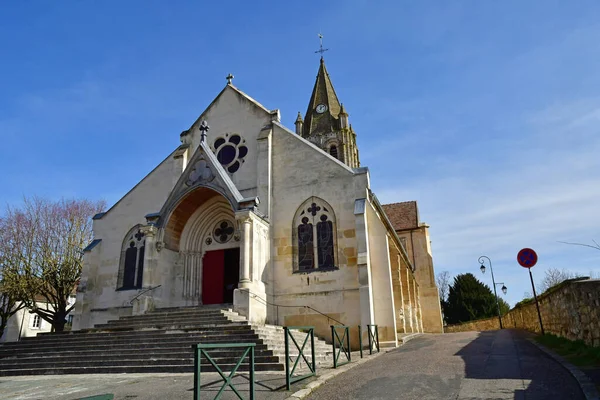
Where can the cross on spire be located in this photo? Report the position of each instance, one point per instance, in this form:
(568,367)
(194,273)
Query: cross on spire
(321,49)
(229,78)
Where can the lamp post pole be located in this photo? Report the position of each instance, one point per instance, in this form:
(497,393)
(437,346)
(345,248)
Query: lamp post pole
(481,260)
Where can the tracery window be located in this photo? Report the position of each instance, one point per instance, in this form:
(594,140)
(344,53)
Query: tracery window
(231,151)
(131,266)
(314,236)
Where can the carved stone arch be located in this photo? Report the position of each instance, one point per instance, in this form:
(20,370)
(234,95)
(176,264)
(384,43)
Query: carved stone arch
(197,237)
(131,262)
(202,224)
(317,216)
(179,212)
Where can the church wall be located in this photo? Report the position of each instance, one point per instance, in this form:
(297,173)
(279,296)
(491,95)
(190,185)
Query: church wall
(419,250)
(383,296)
(98,300)
(397,285)
(299,172)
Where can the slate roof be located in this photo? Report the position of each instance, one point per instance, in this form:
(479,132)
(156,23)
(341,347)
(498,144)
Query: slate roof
(323,93)
(403,215)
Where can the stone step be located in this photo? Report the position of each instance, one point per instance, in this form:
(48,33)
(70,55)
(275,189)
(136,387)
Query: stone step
(162,326)
(212,314)
(166,321)
(208,307)
(134,355)
(159,341)
(87,335)
(169,318)
(130,355)
(115,328)
(140,336)
(203,336)
(124,346)
(187,360)
(137,369)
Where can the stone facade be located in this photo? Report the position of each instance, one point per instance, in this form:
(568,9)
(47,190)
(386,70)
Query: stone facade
(570,310)
(414,236)
(309,242)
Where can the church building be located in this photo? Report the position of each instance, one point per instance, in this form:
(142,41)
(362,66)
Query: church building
(233,216)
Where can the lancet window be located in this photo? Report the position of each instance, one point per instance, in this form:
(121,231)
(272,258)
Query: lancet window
(131,265)
(315,236)
(333,151)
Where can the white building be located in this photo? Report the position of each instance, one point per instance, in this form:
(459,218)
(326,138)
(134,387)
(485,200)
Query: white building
(25,323)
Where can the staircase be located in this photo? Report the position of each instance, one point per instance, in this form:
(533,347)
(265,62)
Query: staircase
(159,341)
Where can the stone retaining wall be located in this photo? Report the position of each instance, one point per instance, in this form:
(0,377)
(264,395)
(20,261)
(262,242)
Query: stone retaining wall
(570,310)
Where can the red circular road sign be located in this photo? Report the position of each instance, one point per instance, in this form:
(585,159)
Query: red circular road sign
(527,258)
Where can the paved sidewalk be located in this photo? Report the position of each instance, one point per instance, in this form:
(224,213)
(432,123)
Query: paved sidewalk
(269,386)
(468,365)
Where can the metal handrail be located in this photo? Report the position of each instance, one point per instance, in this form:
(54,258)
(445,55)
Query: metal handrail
(141,293)
(281,305)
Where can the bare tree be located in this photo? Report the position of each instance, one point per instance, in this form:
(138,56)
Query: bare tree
(10,279)
(594,246)
(49,238)
(443,283)
(554,276)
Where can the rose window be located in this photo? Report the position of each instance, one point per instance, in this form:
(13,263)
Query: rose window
(223,232)
(231,152)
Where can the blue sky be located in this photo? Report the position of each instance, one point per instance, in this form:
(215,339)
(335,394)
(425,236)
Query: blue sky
(485,112)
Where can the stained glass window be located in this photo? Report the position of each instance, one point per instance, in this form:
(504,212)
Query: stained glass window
(315,236)
(305,245)
(231,153)
(325,243)
(131,267)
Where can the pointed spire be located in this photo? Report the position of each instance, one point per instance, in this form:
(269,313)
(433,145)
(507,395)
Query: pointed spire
(324,107)
(299,119)
(343,110)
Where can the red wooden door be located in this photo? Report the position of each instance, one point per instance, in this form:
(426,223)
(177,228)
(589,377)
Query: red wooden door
(213,274)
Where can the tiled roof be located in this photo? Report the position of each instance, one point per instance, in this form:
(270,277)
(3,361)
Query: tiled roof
(402,215)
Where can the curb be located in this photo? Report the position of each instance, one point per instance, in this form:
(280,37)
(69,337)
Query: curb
(410,337)
(302,393)
(586,385)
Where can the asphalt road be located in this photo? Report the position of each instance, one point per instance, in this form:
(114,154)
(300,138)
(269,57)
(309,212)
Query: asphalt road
(470,365)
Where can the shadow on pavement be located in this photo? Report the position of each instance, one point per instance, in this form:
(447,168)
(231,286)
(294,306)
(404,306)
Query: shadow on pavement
(506,364)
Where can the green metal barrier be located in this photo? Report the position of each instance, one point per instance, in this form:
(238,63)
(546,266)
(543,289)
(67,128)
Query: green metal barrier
(373,338)
(289,378)
(200,349)
(107,396)
(345,347)
(360,340)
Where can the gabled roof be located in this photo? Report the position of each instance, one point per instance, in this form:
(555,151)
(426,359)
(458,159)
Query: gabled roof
(229,86)
(323,93)
(204,170)
(403,215)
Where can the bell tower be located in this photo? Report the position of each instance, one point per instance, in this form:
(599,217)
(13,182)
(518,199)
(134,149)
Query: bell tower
(326,121)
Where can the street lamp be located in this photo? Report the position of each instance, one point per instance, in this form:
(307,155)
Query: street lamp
(504,289)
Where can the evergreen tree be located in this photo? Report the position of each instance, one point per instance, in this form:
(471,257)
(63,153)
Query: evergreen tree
(469,299)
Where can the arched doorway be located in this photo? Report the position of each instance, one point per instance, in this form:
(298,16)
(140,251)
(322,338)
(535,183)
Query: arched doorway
(207,237)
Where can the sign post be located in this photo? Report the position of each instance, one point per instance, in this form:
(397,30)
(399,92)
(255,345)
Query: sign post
(527,258)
